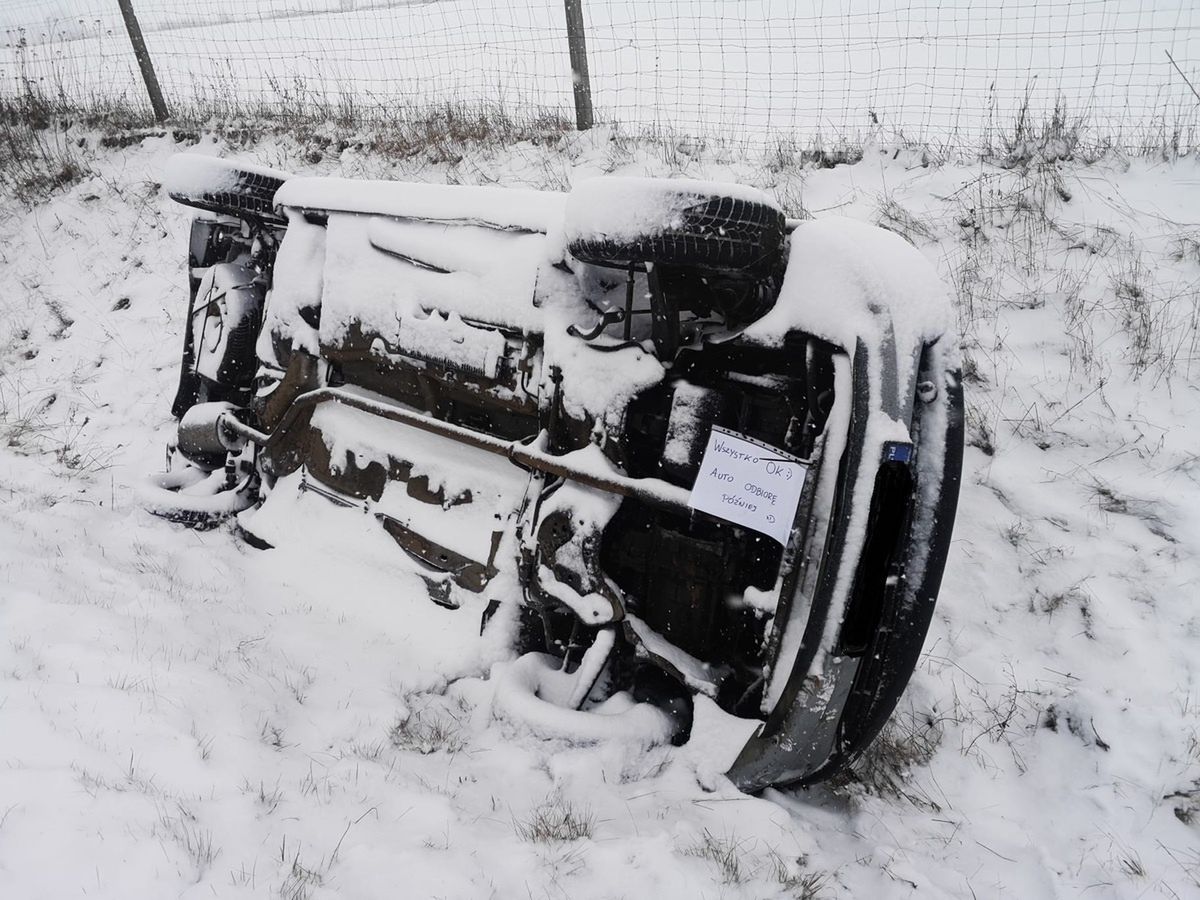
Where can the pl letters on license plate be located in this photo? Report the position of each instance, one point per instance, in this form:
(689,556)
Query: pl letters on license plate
(748,483)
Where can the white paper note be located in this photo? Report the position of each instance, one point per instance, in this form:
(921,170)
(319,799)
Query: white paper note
(749,483)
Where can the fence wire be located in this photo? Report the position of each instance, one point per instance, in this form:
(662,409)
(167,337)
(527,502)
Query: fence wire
(755,72)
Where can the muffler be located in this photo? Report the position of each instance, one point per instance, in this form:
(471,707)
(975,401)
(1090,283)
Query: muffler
(205,437)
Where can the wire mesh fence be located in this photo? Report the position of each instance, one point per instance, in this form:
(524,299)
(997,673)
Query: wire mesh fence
(958,72)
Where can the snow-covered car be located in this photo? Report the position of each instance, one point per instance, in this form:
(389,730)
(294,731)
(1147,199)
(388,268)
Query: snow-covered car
(676,443)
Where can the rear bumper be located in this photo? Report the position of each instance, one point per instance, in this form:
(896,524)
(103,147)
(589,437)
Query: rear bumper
(874,592)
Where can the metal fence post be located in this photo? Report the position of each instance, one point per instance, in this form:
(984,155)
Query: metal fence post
(143,59)
(579,65)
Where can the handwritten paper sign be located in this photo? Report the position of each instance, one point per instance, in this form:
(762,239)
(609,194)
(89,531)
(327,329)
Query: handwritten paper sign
(748,483)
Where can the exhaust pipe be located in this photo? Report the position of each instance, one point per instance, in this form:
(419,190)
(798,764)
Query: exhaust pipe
(205,436)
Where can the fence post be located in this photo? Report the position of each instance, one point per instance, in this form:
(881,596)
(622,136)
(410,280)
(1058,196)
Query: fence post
(579,65)
(143,59)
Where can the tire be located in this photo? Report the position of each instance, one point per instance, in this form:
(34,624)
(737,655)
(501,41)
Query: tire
(220,186)
(672,223)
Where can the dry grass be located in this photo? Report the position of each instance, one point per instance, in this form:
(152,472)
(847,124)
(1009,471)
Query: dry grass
(1032,139)
(46,138)
(36,156)
(908,741)
(555,820)
(431,725)
(737,863)
(725,853)
(29,425)
(181,825)
(300,879)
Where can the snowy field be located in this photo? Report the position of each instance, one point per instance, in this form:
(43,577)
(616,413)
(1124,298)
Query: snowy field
(184,716)
(761,71)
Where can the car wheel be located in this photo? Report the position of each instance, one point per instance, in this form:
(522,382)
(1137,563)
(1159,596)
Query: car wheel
(220,186)
(676,223)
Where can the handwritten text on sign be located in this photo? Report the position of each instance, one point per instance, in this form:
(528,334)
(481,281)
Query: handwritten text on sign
(749,484)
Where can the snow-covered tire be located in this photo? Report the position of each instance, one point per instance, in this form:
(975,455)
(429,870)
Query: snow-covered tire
(234,189)
(617,222)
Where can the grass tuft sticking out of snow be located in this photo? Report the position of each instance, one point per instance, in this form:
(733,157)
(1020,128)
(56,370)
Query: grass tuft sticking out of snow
(908,740)
(738,863)
(430,725)
(179,824)
(30,424)
(555,820)
(797,881)
(725,853)
(300,879)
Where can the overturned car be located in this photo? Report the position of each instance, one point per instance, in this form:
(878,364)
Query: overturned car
(675,443)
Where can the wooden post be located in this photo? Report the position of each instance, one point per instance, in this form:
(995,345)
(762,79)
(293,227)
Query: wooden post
(143,59)
(579,65)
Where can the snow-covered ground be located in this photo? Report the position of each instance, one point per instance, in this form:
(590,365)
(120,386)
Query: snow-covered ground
(183,715)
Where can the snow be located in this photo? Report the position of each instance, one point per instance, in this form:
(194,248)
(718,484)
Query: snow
(595,383)
(522,684)
(198,173)
(695,673)
(183,715)
(449,341)
(590,511)
(624,208)
(846,279)
(494,207)
(492,279)
(297,284)
(684,438)
(832,447)
(495,486)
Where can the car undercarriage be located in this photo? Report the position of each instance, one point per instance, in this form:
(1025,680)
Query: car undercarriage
(667,442)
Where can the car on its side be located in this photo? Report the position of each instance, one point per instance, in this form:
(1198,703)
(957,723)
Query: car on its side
(675,443)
